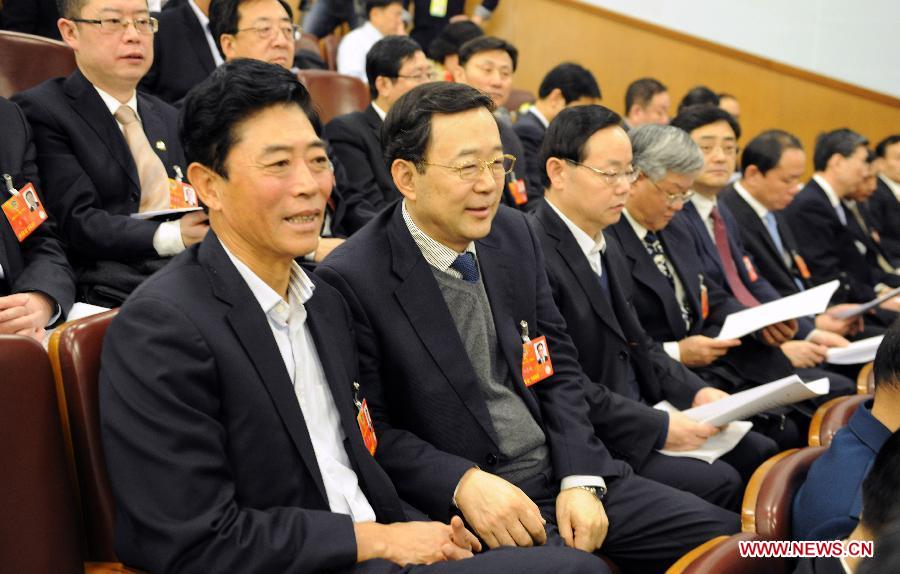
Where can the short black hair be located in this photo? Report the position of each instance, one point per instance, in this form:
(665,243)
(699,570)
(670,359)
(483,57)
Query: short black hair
(235,91)
(842,141)
(693,117)
(568,133)
(887,359)
(386,57)
(224,16)
(70,8)
(642,91)
(880,503)
(698,95)
(765,150)
(487,44)
(882,146)
(372,4)
(573,81)
(449,40)
(723,95)
(406,133)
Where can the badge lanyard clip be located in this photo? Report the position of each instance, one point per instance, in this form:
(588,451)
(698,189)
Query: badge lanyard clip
(523,326)
(9,184)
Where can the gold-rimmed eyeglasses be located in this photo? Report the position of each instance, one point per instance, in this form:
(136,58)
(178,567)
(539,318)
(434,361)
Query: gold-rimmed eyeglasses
(499,167)
(611,177)
(143,24)
(673,198)
(267,31)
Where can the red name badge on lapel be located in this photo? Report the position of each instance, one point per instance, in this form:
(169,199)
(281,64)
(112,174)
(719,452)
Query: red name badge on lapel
(801,266)
(536,363)
(518,191)
(751,272)
(367,428)
(181,195)
(704,299)
(24,211)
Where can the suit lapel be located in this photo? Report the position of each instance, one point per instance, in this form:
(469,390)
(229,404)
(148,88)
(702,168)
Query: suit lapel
(252,329)
(751,221)
(416,293)
(374,121)
(706,243)
(86,102)
(196,37)
(155,130)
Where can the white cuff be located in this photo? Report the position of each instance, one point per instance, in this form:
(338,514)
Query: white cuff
(673,350)
(582,480)
(167,239)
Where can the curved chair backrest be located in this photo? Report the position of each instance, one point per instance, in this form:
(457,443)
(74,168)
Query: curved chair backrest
(722,554)
(27,60)
(832,417)
(334,94)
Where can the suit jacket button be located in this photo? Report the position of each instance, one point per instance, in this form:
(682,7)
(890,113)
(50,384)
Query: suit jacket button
(491,459)
(623,355)
(135,197)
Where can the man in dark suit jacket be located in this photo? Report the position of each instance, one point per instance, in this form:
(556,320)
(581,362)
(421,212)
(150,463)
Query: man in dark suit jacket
(447,293)
(394,65)
(184,51)
(272,471)
(37,286)
(91,181)
(566,85)
(488,63)
(585,271)
(30,16)
(885,202)
(822,226)
(427,24)
(773,163)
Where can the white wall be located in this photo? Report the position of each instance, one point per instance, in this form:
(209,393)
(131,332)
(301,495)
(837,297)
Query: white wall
(856,41)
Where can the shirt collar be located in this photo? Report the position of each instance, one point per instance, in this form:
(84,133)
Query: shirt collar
(541,118)
(703,204)
(113,104)
(203,18)
(589,245)
(829,191)
(869,429)
(381,113)
(300,286)
(892,185)
(436,253)
(639,229)
(759,208)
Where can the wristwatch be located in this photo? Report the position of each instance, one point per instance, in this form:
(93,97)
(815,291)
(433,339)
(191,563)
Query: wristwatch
(598,491)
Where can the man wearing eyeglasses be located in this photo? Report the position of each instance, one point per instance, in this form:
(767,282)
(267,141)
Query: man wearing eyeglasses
(107,152)
(450,299)
(394,65)
(588,175)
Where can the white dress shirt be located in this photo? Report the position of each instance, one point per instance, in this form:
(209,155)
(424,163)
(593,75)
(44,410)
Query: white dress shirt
(704,207)
(204,23)
(829,191)
(167,239)
(593,248)
(892,185)
(541,117)
(670,347)
(351,56)
(301,360)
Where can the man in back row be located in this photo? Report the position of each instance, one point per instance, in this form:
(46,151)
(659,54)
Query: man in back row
(449,299)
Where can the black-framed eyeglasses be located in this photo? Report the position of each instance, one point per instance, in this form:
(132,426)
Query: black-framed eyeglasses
(673,198)
(421,77)
(611,177)
(499,166)
(143,24)
(267,31)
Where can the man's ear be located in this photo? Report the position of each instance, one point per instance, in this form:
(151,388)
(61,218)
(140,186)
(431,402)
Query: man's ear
(556,171)
(227,41)
(207,184)
(459,75)
(67,30)
(404,173)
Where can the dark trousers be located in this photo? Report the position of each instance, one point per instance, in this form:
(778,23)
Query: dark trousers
(722,482)
(651,525)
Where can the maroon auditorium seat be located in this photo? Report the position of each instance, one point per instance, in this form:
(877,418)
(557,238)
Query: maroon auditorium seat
(26,61)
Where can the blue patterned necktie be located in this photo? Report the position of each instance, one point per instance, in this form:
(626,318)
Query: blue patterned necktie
(467,267)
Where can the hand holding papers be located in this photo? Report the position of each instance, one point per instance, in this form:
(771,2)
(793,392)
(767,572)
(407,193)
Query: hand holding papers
(810,302)
(746,404)
(860,309)
(857,352)
(716,445)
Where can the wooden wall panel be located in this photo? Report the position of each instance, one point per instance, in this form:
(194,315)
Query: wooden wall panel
(619,49)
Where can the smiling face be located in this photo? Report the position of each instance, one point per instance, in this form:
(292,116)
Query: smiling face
(491,72)
(261,15)
(452,211)
(112,60)
(269,209)
(719,147)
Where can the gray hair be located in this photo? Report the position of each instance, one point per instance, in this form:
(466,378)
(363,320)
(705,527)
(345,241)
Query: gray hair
(660,149)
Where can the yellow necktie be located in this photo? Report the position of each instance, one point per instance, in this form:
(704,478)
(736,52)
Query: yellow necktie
(151,172)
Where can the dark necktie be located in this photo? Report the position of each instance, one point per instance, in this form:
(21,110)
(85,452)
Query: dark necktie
(861,221)
(655,249)
(467,267)
(728,263)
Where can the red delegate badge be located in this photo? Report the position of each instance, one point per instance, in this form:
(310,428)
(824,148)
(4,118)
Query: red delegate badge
(536,363)
(367,428)
(25,212)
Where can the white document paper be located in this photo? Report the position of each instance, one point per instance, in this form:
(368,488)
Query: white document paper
(863,307)
(159,212)
(810,302)
(746,404)
(715,446)
(855,353)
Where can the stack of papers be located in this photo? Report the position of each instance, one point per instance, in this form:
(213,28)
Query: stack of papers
(855,353)
(860,309)
(810,302)
(715,446)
